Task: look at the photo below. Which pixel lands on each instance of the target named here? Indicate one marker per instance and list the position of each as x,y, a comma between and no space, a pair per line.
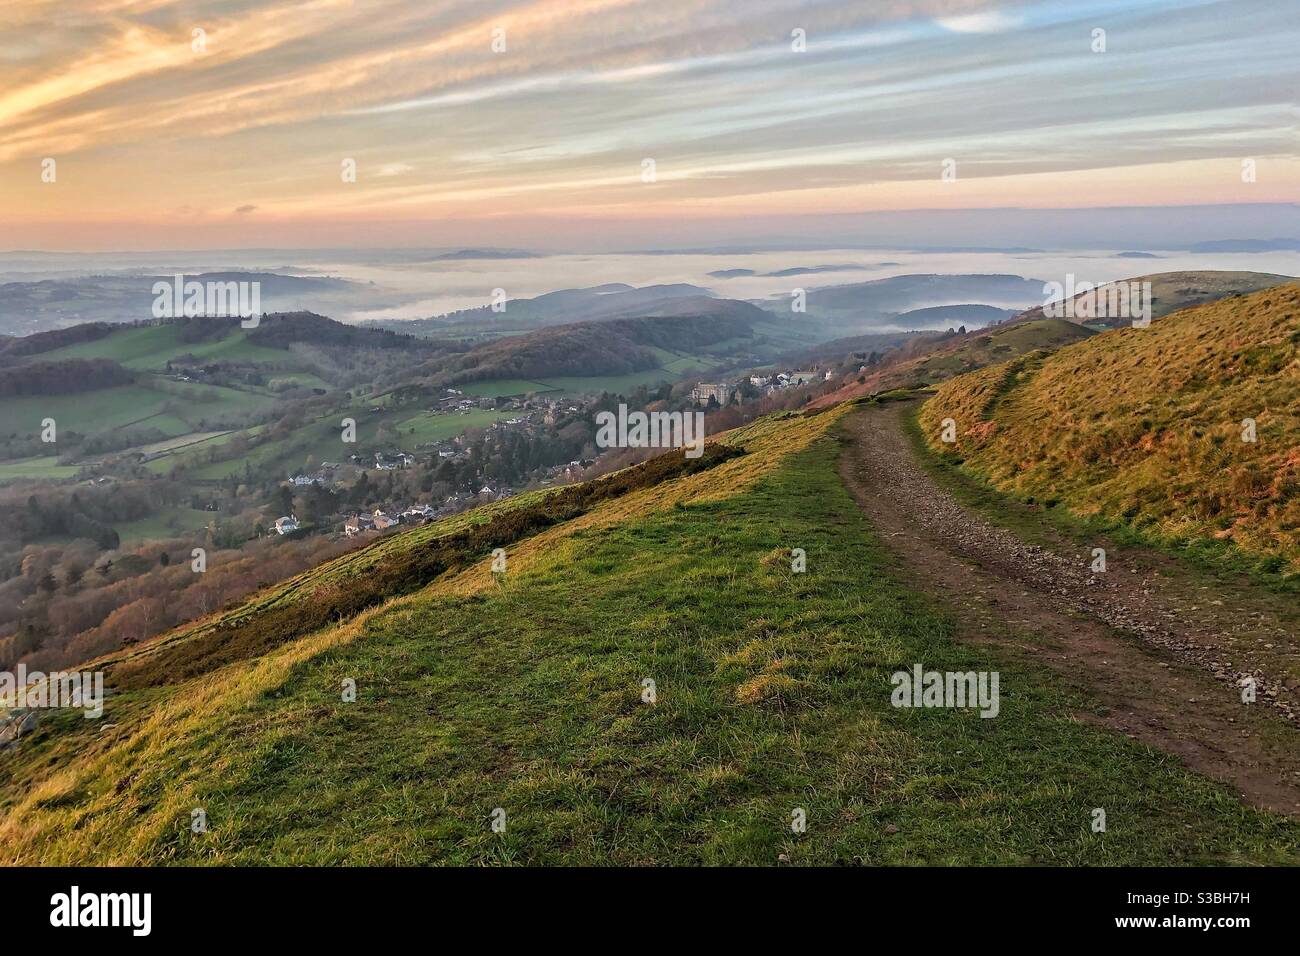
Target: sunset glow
229,120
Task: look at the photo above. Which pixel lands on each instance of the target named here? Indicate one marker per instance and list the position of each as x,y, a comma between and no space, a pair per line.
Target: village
532,414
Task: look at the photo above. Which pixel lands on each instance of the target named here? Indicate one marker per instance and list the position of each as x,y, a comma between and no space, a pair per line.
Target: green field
430,427
149,348
167,523
36,468
108,408
172,445
172,407
619,384
503,387
183,453
525,693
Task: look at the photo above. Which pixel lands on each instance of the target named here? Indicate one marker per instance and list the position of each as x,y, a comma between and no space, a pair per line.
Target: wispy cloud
498,108
986,21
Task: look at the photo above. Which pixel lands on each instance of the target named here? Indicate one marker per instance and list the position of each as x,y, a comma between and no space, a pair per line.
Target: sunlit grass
524,692
1146,426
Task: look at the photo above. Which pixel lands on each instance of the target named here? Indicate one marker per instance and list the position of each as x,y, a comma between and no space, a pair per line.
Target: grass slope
37,468
673,365
524,693
1175,291
149,348
942,360
1145,425
171,407
977,350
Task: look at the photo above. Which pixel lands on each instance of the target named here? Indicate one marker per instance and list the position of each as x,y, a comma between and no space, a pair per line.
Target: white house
286,524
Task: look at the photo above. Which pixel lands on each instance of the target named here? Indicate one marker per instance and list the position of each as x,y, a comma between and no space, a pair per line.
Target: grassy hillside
208,340
613,347
929,361
879,301
1145,425
1174,291
614,355
524,692
151,347
240,377
952,316
173,408
977,350
46,467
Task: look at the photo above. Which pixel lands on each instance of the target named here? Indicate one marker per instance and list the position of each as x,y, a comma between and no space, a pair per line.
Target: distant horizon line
1030,229
1293,241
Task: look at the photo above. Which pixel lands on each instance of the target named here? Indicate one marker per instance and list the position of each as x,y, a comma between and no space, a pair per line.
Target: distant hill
868,305
553,308
952,316
1171,291
1246,245
280,330
837,349
608,347
27,307
1145,425
813,270
929,360
153,343
16,348
694,305
484,254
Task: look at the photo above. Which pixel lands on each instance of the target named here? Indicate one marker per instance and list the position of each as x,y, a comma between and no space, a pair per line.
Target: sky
653,123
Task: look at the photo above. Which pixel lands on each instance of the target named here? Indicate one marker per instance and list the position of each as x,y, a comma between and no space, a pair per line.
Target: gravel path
1163,651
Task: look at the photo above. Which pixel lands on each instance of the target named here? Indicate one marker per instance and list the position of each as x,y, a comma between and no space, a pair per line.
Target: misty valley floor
772,694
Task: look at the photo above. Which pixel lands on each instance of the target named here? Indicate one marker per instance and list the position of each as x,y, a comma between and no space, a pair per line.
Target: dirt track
1142,638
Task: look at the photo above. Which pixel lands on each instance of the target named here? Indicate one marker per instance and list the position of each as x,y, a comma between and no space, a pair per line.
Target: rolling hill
562,307
926,361
1187,430
48,304
873,305
647,683
952,316
615,346
123,389
1172,291
154,345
